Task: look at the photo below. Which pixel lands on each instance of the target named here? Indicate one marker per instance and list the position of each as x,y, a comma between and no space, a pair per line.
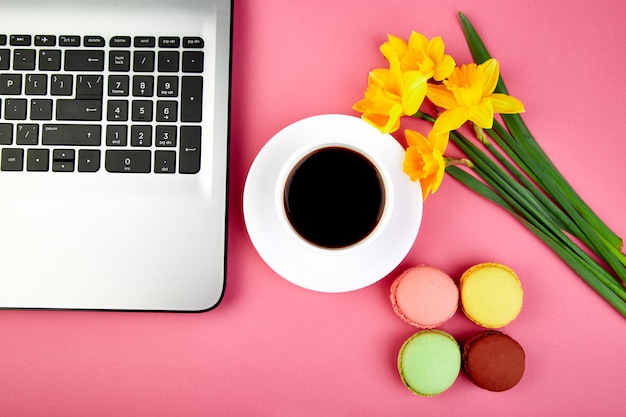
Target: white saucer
309,266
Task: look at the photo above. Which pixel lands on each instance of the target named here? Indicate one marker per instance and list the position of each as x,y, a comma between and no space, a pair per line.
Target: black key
71,135
3,39
131,161
10,84
36,84
88,160
27,134
143,86
15,109
165,136
45,40
93,41
168,61
143,61
38,160
117,110
169,42
88,110
144,41
63,160
193,61
49,60
41,109
84,60
193,42
191,99
141,136
69,40
120,42
167,86
119,61
116,135
189,154
12,159
24,59
118,85
62,85
165,162
142,111
6,133
89,87
5,59
166,111
20,40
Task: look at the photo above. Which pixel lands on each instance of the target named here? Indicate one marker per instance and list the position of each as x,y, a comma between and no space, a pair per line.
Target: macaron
424,296
493,361
491,295
429,362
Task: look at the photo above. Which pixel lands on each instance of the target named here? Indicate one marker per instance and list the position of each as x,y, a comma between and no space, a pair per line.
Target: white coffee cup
311,265
372,227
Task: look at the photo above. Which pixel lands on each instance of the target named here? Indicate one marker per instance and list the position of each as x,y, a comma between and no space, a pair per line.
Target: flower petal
418,42
413,163
441,96
385,122
438,177
393,46
436,49
503,103
396,78
482,114
468,96
439,140
444,68
414,92
414,138
451,119
491,72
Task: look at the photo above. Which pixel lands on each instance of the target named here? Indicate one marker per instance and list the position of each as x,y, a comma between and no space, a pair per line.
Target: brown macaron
493,361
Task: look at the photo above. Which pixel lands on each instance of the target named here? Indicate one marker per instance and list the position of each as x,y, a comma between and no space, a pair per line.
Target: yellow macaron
491,295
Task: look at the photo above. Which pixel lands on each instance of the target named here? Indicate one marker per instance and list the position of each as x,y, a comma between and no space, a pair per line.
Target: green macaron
429,362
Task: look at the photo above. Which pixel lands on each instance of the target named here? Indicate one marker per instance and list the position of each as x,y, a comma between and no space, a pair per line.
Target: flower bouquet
503,163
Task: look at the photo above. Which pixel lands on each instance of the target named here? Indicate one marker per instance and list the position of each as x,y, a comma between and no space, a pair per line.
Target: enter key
189,154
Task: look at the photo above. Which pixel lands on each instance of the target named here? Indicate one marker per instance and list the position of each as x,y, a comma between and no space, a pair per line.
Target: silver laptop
113,154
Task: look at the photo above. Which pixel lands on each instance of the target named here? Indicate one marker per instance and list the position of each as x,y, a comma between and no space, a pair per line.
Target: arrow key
63,160
88,160
38,160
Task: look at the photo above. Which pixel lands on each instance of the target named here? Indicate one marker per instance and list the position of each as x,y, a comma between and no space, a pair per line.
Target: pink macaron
424,296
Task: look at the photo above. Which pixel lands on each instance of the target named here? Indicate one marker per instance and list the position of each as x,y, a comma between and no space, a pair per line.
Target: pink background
274,349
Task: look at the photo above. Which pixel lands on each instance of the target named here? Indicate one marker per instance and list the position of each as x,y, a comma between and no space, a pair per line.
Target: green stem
556,185
531,149
519,198
587,269
600,246
531,210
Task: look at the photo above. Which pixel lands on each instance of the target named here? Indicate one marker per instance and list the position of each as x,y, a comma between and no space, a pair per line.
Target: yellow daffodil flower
467,94
424,160
390,95
420,54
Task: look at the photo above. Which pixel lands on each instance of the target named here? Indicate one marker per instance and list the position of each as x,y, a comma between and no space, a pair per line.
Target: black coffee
334,197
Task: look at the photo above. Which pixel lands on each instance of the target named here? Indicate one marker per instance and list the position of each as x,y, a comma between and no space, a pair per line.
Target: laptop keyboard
89,104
